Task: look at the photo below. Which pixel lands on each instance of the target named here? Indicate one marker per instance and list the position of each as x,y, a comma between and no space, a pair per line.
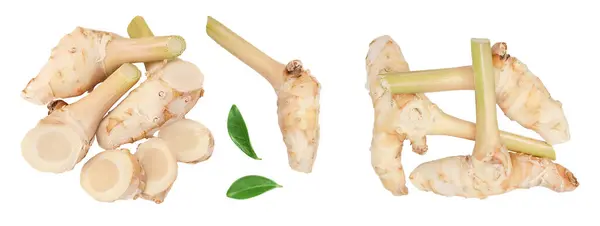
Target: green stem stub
486,122
138,28
238,132
250,186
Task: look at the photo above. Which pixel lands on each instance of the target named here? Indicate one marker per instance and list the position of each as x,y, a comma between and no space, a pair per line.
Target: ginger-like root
520,94
190,141
62,139
113,175
297,95
85,57
491,169
412,116
160,168
171,90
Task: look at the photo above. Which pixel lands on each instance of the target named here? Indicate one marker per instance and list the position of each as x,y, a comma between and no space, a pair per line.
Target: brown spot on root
176,94
167,115
112,123
142,135
420,149
129,112
294,68
56,105
443,177
82,31
398,155
157,200
498,61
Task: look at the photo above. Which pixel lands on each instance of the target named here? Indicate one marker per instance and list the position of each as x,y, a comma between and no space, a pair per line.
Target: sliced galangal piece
113,175
160,167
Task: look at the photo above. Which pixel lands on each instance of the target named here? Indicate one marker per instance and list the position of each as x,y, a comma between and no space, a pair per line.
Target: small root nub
572,178
294,68
56,105
500,49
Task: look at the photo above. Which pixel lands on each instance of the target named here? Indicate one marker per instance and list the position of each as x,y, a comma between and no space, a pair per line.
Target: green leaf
250,186
238,132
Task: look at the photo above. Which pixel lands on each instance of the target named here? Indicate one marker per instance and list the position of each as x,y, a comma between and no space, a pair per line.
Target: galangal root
297,95
85,57
172,88
412,116
62,139
520,94
491,169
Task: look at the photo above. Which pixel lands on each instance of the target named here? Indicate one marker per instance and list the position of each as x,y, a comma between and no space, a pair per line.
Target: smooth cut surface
154,164
107,175
53,146
159,164
189,140
183,76
104,175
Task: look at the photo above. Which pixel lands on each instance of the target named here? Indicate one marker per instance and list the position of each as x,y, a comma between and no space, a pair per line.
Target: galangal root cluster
402,111
101,64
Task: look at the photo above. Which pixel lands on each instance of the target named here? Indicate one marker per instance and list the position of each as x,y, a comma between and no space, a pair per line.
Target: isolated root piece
113,175
172,88
62,139
491,169
189,140
85,57
297,95
160,168
520,94
412,116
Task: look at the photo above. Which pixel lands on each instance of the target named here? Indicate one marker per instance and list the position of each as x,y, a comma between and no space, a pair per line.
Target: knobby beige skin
171,89
86,57
520,94
490,169
297,95
412,116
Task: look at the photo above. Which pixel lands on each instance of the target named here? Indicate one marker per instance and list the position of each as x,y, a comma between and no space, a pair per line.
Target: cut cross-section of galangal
113,175
62,139
189,140
160,167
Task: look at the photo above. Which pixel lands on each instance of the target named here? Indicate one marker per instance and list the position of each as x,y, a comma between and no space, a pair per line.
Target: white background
557,41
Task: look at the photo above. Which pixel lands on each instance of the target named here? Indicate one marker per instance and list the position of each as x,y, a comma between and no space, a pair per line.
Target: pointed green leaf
238,132
250,186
